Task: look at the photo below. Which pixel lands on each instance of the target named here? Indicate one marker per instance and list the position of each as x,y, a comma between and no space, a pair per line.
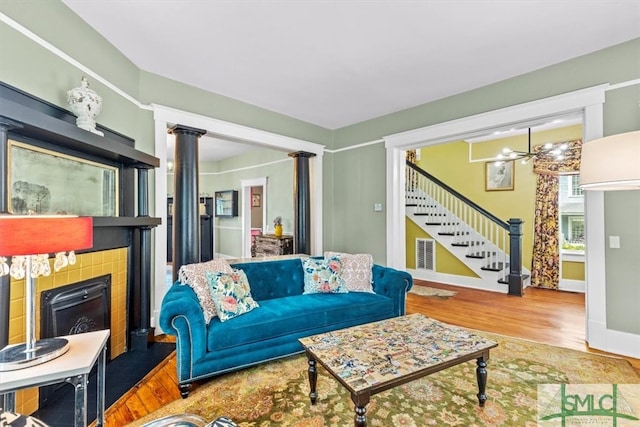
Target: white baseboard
572,285
455,280
612,341
225,256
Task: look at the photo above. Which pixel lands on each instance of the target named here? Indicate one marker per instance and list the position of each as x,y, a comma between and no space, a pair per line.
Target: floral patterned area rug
276,393
427,291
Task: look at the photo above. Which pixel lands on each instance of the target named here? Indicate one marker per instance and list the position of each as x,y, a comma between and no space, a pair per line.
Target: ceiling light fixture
549,150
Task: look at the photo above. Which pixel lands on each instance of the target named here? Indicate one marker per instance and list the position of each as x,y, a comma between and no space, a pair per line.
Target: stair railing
498,243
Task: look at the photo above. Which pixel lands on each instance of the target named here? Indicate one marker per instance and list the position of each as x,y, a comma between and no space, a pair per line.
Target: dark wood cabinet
270,244
206,228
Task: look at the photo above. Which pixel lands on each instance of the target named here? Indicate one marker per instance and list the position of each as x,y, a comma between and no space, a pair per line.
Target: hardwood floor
542,315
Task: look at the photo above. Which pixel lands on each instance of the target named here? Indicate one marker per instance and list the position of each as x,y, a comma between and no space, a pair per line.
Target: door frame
165,117
246,185
590,102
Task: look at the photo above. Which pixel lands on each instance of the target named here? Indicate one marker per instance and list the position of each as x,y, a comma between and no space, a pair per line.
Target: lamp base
17,357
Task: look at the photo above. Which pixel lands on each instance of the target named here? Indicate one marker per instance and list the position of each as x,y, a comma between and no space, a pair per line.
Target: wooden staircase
474,236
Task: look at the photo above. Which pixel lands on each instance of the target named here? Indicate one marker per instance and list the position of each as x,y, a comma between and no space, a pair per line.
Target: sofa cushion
231,294
194,276
323,276
274,279
356,270
301,314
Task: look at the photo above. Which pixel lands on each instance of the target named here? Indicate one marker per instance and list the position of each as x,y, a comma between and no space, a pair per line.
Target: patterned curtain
412,156
545,268
412,176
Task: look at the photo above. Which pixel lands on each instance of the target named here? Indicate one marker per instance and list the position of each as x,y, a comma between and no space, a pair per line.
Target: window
571,207
574,185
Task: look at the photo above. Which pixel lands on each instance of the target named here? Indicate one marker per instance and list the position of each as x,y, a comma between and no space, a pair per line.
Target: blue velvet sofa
271,331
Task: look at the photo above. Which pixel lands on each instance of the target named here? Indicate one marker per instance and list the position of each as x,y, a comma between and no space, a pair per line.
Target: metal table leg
102,359
8,402
80,406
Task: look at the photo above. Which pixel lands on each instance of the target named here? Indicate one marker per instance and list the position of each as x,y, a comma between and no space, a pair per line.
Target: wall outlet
377,207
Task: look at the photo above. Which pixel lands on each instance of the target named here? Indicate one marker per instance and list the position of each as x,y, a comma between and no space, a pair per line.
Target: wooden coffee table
375,357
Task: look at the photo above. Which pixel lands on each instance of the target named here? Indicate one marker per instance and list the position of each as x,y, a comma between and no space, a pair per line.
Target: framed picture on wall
255,200
499,176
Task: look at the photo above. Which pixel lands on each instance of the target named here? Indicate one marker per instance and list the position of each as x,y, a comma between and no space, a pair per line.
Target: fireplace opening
74,309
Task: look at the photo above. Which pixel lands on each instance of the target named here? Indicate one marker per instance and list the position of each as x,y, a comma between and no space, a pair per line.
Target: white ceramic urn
86,104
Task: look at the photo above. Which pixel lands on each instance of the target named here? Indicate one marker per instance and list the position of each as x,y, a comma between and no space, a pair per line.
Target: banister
514,279
465,199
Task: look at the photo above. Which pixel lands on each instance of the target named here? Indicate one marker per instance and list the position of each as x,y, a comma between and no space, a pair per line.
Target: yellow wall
88,265
450,163
446,262
573,270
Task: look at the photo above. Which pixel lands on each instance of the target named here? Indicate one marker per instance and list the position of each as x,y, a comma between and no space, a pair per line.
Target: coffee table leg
360,419
313,379
481,374
361,402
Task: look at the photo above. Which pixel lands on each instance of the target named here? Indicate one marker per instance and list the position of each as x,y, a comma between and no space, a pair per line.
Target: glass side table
72,367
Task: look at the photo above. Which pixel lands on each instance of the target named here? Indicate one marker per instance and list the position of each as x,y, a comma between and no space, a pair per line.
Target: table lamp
29,240
611,163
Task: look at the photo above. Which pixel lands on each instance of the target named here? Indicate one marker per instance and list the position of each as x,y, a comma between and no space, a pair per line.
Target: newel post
516,286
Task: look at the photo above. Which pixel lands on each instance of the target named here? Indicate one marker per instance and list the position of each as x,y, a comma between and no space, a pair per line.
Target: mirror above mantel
41,127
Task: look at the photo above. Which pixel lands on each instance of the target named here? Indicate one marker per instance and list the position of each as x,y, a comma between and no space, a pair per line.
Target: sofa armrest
182,316
392,283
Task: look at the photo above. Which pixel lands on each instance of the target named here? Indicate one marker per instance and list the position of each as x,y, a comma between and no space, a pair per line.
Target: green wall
353,179
279,193
276,166
623,264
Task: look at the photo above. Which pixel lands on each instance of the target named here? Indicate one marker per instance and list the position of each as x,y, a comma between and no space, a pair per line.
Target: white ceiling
212,149
335,63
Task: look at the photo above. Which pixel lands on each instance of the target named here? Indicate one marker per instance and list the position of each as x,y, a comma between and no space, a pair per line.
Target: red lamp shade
31,235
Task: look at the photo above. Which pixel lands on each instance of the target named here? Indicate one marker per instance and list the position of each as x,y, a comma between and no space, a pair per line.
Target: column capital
301,154
187,130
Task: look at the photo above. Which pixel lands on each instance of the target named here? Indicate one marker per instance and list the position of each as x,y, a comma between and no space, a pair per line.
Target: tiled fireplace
122,223
89,265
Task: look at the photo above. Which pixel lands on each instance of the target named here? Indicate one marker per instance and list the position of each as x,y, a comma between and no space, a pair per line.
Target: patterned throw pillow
222,422
231,294
323,276
356,270
194,276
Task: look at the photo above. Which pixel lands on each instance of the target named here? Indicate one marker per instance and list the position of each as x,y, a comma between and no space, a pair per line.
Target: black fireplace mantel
29,119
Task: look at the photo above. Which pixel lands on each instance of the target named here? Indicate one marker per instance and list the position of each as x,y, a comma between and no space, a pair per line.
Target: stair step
466,244
505,279
411,205
433,223
496,266
428,214
480,255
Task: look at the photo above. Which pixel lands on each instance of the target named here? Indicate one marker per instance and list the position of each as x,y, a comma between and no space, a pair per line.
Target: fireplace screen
73,309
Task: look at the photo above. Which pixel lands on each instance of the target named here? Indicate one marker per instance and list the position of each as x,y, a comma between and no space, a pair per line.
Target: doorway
254,218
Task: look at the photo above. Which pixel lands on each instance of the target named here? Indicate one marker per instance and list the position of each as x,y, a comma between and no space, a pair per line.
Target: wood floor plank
148,397
160,392
541,315
136,406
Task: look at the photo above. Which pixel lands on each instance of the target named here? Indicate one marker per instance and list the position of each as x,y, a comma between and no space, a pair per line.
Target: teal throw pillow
322,276
231,294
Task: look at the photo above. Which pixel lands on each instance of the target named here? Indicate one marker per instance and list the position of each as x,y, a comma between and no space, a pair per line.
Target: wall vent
425,254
